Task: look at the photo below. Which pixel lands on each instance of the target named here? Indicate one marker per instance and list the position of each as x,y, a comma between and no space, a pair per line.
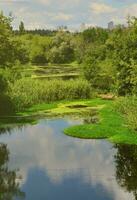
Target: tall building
111,25
83,27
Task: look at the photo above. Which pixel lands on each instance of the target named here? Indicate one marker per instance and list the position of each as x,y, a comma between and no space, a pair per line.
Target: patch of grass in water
111,126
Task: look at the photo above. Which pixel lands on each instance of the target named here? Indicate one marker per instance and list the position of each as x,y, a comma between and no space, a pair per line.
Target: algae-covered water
39,162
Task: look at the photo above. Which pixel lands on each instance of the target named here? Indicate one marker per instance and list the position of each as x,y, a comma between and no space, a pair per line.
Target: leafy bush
27,92
128,107
39,58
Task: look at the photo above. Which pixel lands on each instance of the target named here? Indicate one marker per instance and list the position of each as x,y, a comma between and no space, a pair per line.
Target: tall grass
128,107
27,92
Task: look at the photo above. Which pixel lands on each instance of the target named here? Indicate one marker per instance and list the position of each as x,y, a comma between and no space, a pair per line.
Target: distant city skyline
49,14
111,25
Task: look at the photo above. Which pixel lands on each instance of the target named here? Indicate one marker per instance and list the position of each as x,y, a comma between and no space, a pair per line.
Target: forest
40,68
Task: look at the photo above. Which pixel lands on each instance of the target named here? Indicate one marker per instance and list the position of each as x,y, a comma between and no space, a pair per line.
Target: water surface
49,165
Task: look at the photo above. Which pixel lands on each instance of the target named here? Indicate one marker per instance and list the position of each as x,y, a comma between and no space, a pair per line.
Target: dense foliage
49,49
111,63
11,49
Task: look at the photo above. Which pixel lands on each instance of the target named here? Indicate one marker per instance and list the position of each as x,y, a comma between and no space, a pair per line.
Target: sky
49,14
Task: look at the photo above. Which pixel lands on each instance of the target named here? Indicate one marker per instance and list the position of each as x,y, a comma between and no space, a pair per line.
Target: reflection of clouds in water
74,120
44,147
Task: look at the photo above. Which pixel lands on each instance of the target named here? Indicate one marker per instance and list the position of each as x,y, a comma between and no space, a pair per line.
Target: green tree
97,69
62,50
6,43
92,35
21,28
121,49
11,49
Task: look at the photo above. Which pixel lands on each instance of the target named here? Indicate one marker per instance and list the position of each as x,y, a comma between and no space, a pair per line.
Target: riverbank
101,120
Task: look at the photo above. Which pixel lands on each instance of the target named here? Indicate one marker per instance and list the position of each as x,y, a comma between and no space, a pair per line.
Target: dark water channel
38,162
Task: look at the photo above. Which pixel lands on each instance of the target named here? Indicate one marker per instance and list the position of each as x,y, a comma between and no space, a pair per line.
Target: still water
38,162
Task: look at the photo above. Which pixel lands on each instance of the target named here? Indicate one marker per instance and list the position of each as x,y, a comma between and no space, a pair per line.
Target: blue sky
53,13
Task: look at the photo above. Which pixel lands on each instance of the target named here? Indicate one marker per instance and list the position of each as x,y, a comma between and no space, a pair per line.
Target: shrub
128,107
6,106
38,57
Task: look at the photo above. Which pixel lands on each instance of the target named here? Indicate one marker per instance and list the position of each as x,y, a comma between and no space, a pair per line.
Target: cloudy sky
53,13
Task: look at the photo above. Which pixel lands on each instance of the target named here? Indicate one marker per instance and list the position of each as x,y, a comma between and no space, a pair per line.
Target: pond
60,71
39,162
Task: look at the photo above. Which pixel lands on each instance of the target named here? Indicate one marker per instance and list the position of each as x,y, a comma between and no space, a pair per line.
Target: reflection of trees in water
4,130
9,123
9,188
126,168
8,130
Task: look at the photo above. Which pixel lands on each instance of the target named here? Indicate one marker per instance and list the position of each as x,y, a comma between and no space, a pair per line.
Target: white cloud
130,10
103,13
101,8
121,14
62,16
45,2
52,13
